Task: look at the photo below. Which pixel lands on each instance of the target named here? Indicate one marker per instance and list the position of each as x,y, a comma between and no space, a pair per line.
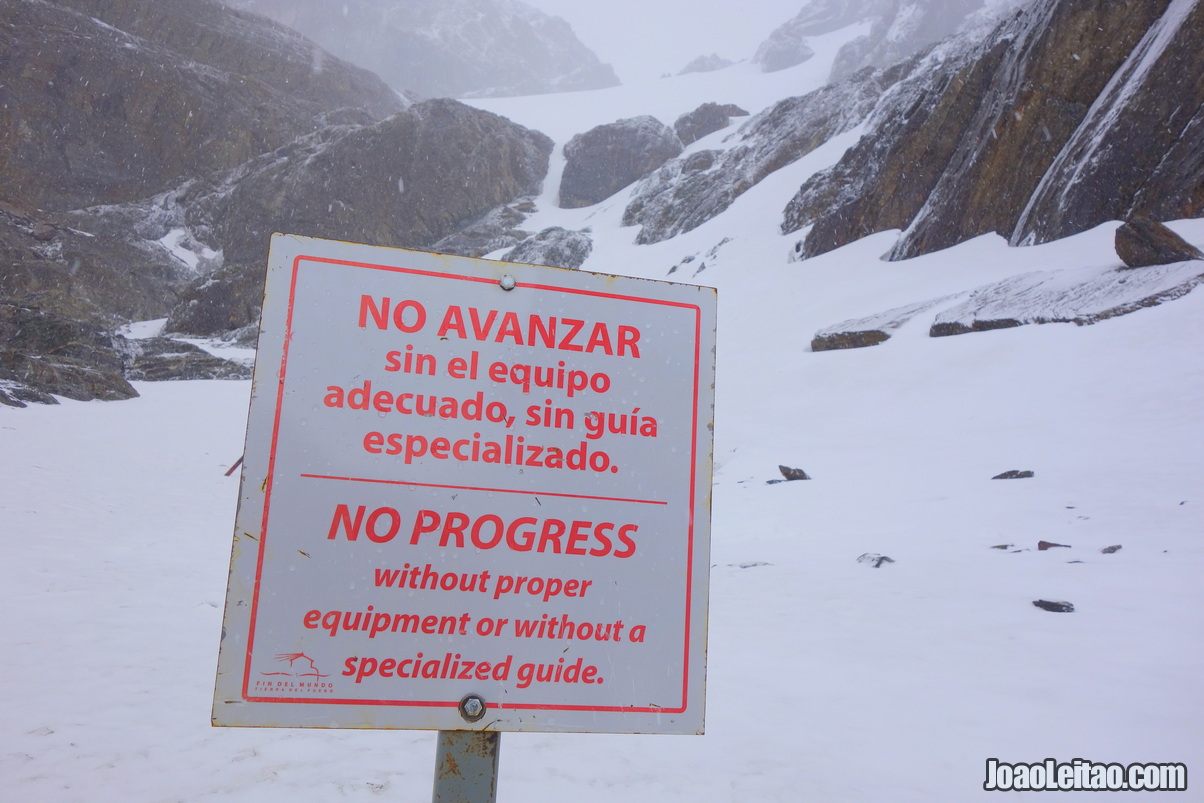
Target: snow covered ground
828,679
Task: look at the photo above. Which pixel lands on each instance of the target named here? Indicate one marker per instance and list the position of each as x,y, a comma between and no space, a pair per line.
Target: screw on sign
475,495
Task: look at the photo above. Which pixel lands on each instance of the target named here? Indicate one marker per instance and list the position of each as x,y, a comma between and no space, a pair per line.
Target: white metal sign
467,477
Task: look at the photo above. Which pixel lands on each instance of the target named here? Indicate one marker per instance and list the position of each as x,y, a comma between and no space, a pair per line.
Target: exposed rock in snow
790,473
1142,243
706,64
449,48
554,246
1137,150
45,353
1014,474
872,330
874,560
497,228
958,148
1079,297
1082,297
457,163
689,191
1054,606
160,358
608,157
107,101
706,119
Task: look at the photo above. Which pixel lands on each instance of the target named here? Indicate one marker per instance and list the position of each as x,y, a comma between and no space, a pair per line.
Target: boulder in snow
1014,474
556,247
1044,545
1143,243
608,157
1054,606
706,119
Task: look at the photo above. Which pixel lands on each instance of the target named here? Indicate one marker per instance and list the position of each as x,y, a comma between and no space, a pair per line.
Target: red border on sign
271,473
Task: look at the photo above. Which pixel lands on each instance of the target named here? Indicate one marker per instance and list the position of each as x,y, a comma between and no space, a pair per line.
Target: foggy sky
646,38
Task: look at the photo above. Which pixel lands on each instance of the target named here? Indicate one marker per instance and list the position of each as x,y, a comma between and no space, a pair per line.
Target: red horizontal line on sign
492,490
622,709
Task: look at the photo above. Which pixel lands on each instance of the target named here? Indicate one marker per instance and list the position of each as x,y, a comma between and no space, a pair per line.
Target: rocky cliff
148,150
967,140
107,101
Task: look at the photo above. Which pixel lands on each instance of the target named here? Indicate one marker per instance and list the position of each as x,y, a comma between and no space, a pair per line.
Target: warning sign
468,477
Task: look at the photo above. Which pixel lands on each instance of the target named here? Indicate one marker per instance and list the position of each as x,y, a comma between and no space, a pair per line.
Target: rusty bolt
472,707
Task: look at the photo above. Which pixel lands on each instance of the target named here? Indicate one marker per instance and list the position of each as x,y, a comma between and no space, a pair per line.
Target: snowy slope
827,679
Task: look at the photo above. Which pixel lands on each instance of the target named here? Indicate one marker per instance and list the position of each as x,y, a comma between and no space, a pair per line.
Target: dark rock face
1138,152
687,192
958,150
497,228
226,302
448,48
160,359
607,158
790,473
849,340
43,353
407,181
874,560
108,101
706,119
1142,243
556,247
221,127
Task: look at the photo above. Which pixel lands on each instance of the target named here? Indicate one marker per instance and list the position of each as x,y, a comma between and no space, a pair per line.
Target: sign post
466,482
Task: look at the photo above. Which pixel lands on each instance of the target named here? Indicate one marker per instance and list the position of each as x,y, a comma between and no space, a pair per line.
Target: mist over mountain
946,263
448,48
150,149
896,30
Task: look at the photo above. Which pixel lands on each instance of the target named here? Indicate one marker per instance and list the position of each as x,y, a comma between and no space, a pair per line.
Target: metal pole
466,767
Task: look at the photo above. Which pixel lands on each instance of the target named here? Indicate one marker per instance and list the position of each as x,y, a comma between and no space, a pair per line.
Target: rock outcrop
43,353
609,157
496,229
407,181
448,48
691,190
706,119
960,147
107,101
204,130
1137,151
555,246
